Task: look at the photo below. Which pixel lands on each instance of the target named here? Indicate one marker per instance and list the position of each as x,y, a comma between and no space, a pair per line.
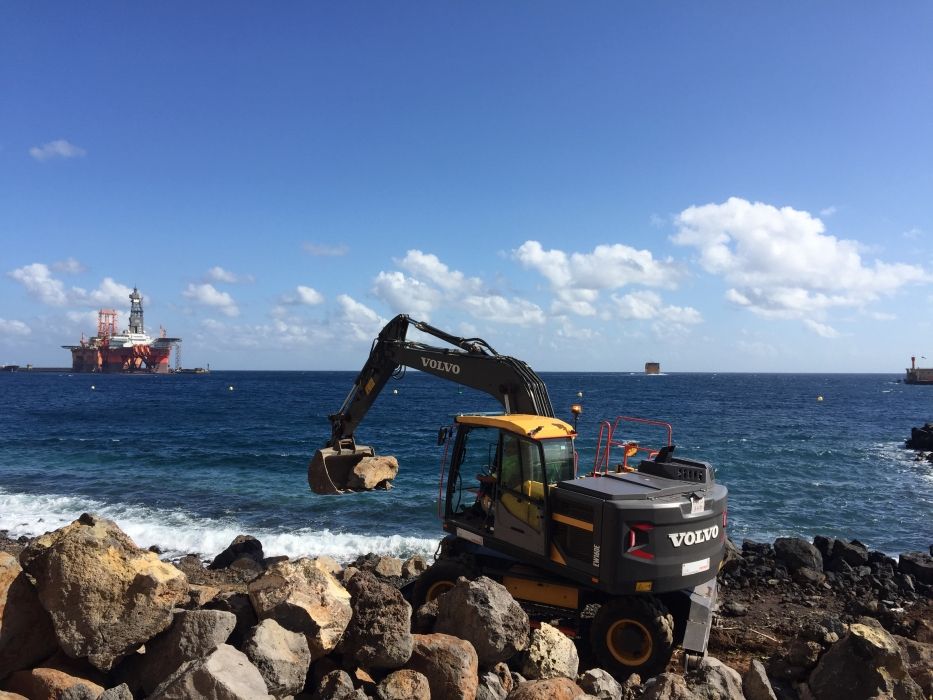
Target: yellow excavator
624,555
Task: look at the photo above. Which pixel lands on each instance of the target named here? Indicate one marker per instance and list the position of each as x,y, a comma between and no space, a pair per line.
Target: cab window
558,455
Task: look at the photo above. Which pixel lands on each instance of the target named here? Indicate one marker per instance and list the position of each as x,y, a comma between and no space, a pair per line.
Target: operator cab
501,471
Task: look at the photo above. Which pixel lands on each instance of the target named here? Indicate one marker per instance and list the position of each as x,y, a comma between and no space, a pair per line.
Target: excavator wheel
436,581
633,634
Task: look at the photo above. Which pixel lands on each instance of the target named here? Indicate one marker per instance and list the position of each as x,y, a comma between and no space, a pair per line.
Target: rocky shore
85,614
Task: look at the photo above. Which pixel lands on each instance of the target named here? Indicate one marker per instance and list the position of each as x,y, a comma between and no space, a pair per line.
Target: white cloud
208,295
308,295
110,293
494,307
39,283
828,211
219,274
821,329
646,305
56,149
13,327
406,294
576,279
428,267
359,318
70,266
304,296
913,234
780,263
325,251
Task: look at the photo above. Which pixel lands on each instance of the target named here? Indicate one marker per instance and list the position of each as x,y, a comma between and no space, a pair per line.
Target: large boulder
853,553
282,657
551,654
193,635
865,663
242,546
226,674
105,595
372,473
240,605
303,598
485,614
797,553
668,686
379,633
755,683
26,632
50,684
918,658
449,664
404,685
600,684
917,564
549,689
713,680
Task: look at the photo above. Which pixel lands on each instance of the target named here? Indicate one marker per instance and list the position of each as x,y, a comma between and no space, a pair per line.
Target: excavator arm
470,362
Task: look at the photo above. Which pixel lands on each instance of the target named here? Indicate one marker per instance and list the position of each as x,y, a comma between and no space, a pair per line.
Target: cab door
520,494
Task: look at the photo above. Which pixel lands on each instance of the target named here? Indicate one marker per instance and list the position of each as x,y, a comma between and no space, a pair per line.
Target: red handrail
602,453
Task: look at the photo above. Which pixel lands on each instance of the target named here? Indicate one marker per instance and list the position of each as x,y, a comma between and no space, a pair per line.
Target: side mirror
442,435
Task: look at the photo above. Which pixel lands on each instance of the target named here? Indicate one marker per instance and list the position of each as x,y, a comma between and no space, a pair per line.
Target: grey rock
734,608
239,605
282,657
484,613
336,685
600,684
226,674
193,635
917,564
490,687
119,692
404,685
865,663
302,598
755,683
242,546
852,553
825,546
379,633
105,595
667,686
414,566
713,680
795,553
803,653
551,654
26,632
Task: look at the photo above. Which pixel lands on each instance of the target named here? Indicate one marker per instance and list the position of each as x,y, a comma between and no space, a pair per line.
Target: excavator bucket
330,468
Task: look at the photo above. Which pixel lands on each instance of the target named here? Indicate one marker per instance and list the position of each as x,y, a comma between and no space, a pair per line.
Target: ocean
188,462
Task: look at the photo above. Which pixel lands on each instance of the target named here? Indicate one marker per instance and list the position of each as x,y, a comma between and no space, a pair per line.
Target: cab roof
537,427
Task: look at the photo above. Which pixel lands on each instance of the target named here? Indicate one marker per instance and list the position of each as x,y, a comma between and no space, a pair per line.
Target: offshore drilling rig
130,350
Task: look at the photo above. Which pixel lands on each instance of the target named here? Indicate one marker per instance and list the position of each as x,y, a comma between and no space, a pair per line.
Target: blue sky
714,186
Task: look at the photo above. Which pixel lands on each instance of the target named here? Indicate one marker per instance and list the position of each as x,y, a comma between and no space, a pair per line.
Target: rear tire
440,578
633,634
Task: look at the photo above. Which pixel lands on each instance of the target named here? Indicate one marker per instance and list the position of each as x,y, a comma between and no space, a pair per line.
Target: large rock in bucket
105,596
333,471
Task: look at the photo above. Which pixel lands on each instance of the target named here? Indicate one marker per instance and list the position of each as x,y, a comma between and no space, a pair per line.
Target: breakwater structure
918,375
130,350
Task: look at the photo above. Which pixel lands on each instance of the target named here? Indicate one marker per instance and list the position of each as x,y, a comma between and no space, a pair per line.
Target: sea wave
177,532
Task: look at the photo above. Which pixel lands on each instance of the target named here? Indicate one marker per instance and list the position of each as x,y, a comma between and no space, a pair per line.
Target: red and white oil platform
130,350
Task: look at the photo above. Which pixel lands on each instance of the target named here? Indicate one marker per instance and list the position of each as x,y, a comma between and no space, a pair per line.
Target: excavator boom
471,362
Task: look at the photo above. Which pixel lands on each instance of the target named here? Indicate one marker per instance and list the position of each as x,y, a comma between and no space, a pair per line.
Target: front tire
633,634
440,578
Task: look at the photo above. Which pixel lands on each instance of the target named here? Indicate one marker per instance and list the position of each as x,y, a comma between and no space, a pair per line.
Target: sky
715,186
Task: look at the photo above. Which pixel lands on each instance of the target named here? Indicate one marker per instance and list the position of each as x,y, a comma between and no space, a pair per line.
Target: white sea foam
178,533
